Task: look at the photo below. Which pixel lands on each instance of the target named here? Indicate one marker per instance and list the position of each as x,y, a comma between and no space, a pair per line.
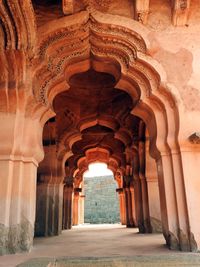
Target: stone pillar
49,209
49,194
129,215
168,201
138,205
142,170
76,206
153,192
17,204
154,205
122,205
145,206
67,207
187,186
132,190
191,162
20,152
81,209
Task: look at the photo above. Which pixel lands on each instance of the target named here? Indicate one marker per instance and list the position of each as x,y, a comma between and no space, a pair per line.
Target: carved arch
98,41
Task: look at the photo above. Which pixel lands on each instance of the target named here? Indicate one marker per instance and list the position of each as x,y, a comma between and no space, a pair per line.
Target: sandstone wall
101,200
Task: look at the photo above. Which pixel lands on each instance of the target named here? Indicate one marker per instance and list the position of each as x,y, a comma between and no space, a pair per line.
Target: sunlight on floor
99,226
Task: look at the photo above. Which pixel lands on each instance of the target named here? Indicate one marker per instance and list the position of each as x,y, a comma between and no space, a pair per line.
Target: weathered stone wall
101,200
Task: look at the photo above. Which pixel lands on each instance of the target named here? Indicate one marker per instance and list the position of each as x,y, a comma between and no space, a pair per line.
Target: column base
183,244
16,238
193,243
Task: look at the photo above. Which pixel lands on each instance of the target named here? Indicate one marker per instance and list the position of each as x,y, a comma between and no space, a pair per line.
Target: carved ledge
195,138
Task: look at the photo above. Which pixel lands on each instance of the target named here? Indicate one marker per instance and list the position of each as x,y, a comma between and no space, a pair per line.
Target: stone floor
111,245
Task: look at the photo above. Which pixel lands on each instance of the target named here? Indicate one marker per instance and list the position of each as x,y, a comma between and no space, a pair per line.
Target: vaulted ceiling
92,116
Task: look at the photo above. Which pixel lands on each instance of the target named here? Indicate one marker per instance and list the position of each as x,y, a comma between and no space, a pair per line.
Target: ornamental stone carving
102,5
78,42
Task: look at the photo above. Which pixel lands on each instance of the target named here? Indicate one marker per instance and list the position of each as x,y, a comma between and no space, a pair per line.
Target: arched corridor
97,81
93,123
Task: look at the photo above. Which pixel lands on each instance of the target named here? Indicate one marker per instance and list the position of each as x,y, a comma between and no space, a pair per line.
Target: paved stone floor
111,245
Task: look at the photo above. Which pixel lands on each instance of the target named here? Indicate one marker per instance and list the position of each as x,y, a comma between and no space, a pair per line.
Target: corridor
113,241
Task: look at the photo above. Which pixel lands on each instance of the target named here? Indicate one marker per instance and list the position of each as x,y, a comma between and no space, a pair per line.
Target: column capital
21,138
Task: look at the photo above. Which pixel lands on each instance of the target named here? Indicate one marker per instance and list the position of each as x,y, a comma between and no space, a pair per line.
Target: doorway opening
101,201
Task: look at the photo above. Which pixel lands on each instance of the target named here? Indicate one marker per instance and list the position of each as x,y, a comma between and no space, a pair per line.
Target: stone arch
81,164
136,76
97,41
93,155
68,139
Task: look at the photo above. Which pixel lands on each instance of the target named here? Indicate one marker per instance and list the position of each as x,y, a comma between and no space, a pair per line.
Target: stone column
76,206
153,192
168,201
67,207
81,209
145,203
138,205
178,174
49,194
20,152
49,209
191,162
145,206
17,204
154,205
132,190
122,205
129,216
